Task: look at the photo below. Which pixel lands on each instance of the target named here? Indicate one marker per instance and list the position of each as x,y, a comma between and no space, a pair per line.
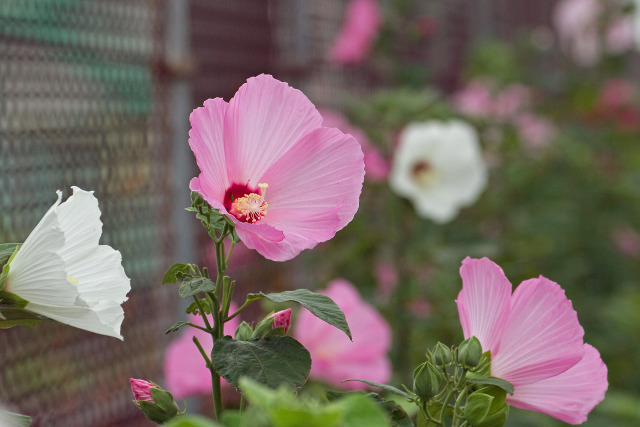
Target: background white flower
439,167
65,274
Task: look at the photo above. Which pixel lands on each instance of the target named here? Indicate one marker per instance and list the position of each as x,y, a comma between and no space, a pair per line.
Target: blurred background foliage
567,207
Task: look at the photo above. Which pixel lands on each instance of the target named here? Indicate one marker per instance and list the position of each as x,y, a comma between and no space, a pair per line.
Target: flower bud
244,332
156,403
441,355
282,319
427,381
470,352
263,328
141,389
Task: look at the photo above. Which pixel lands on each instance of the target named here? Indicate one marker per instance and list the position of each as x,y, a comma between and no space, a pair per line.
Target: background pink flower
336,358
375,165
535,131
535,341
184,368
359,31
266,162
474,99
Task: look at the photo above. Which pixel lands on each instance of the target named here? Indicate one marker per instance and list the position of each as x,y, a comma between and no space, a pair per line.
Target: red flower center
245,203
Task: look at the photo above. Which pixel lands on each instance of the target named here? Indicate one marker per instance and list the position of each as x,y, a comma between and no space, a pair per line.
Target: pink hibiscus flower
184,368
270,136
535,340
334,357
375,165
361,25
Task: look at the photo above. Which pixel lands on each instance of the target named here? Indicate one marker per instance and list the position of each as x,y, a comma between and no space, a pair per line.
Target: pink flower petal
542,336
361,24
483,303
569,396
206,140
325,169
264,119
336,358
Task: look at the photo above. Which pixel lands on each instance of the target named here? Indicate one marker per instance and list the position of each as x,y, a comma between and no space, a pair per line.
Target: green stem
222,299
456,408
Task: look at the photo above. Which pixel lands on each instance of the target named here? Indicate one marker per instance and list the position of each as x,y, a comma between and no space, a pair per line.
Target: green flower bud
244,332
469,353
427,381
441,355
263,328
156,403
487,407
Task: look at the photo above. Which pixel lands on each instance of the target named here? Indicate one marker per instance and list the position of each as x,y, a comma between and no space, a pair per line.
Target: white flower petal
99,276
37,272
104,319
79,218
63,272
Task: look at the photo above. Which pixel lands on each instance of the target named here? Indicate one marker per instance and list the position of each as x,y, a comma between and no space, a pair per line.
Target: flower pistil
251,207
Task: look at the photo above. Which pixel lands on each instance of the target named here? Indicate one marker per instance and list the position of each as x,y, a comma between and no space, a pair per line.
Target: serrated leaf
385,387
321,306
176,273
272,361
176,326
195,286
504,385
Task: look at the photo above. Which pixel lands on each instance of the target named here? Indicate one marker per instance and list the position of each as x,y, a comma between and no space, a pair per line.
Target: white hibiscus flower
439,167
64,273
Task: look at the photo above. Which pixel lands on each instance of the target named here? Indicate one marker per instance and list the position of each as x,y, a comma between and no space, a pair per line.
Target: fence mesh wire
82,103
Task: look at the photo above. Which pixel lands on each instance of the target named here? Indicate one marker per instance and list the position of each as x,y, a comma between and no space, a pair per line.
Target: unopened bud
263,328
282,319
427,381
470,352
244,332
441,355
156,403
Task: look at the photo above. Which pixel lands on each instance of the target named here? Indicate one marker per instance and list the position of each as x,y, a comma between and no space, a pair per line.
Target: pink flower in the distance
474,100
282,319
266,162
359,31
141,389
184,367
375,165
535,131
535,339
334,357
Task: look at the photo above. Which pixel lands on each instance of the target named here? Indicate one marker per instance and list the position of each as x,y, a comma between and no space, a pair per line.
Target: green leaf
12,316
397,414
193,307
6,250
176,273
321,306
271,361
389,388
13,419
195,286
504,385
12,299
191,421
176,326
